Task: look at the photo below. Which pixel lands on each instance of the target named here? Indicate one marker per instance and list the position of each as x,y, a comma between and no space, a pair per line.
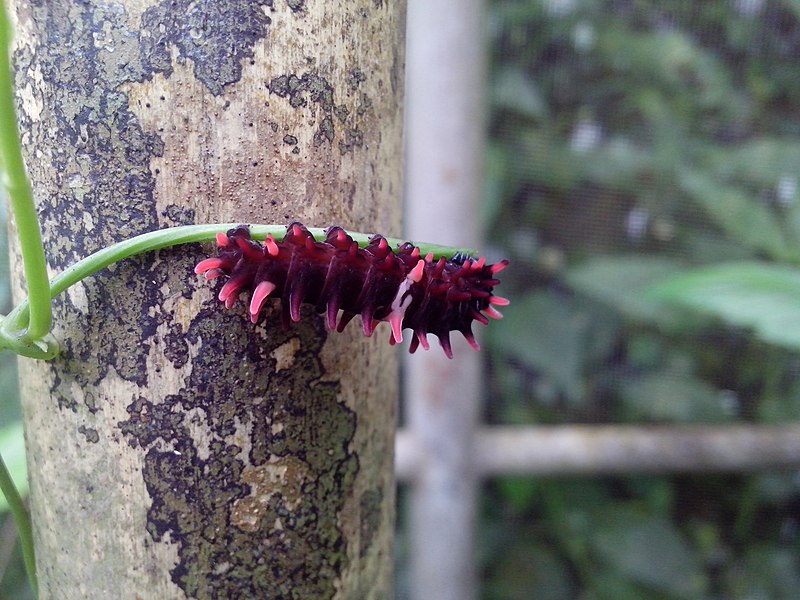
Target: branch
618,449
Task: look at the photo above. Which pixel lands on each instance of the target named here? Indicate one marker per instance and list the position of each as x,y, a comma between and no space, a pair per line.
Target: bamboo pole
445,131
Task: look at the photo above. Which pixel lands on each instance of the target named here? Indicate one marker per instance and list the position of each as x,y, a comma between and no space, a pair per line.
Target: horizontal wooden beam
618,449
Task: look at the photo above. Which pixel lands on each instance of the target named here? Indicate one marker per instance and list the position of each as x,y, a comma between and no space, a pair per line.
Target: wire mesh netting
643,179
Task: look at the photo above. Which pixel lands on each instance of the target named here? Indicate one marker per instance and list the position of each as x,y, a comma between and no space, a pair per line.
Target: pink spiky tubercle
342,280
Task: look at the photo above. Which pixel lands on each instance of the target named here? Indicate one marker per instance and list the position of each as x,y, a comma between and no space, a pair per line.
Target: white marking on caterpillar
402,300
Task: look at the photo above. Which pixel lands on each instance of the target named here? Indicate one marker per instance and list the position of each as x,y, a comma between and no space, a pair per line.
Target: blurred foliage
643,178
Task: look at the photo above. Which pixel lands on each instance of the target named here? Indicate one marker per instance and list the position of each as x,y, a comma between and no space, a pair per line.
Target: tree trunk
176,450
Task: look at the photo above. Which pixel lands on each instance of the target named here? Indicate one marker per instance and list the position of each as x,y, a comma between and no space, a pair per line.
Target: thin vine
20,195
21,517
18,187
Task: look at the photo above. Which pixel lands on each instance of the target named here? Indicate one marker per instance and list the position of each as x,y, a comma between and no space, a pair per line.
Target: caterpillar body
401,287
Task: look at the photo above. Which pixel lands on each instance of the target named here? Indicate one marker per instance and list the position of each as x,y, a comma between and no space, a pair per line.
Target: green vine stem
23,521
21,198
45,348
15,180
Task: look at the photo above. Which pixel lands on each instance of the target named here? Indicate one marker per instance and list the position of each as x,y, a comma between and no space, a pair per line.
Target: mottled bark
175,450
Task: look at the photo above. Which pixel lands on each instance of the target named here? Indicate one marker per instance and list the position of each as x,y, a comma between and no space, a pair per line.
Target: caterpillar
402,287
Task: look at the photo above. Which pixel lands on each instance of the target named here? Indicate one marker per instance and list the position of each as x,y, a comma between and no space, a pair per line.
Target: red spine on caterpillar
400,287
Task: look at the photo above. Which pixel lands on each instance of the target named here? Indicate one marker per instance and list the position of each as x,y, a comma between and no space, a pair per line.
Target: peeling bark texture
175,450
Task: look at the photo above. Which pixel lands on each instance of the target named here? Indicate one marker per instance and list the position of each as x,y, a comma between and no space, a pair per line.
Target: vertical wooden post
175,450
444,158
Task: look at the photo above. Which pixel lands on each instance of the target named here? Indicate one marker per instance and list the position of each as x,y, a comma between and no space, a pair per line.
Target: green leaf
554,337
548,336
765,572
529,570
777,487
621,281
794,6
496,184
762,161
648,550
12,448
518,492
613,585
780,406
543,157
672,397
740,216
708,247
516,91
761,296
619,164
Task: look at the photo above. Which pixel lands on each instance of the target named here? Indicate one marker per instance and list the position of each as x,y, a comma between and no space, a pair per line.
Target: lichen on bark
311,90
240,529
216,36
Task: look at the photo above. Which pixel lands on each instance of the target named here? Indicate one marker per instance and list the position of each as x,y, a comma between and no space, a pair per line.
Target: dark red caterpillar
402,287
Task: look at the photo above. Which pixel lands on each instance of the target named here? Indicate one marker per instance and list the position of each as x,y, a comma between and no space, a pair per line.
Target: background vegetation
644,166
632,143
